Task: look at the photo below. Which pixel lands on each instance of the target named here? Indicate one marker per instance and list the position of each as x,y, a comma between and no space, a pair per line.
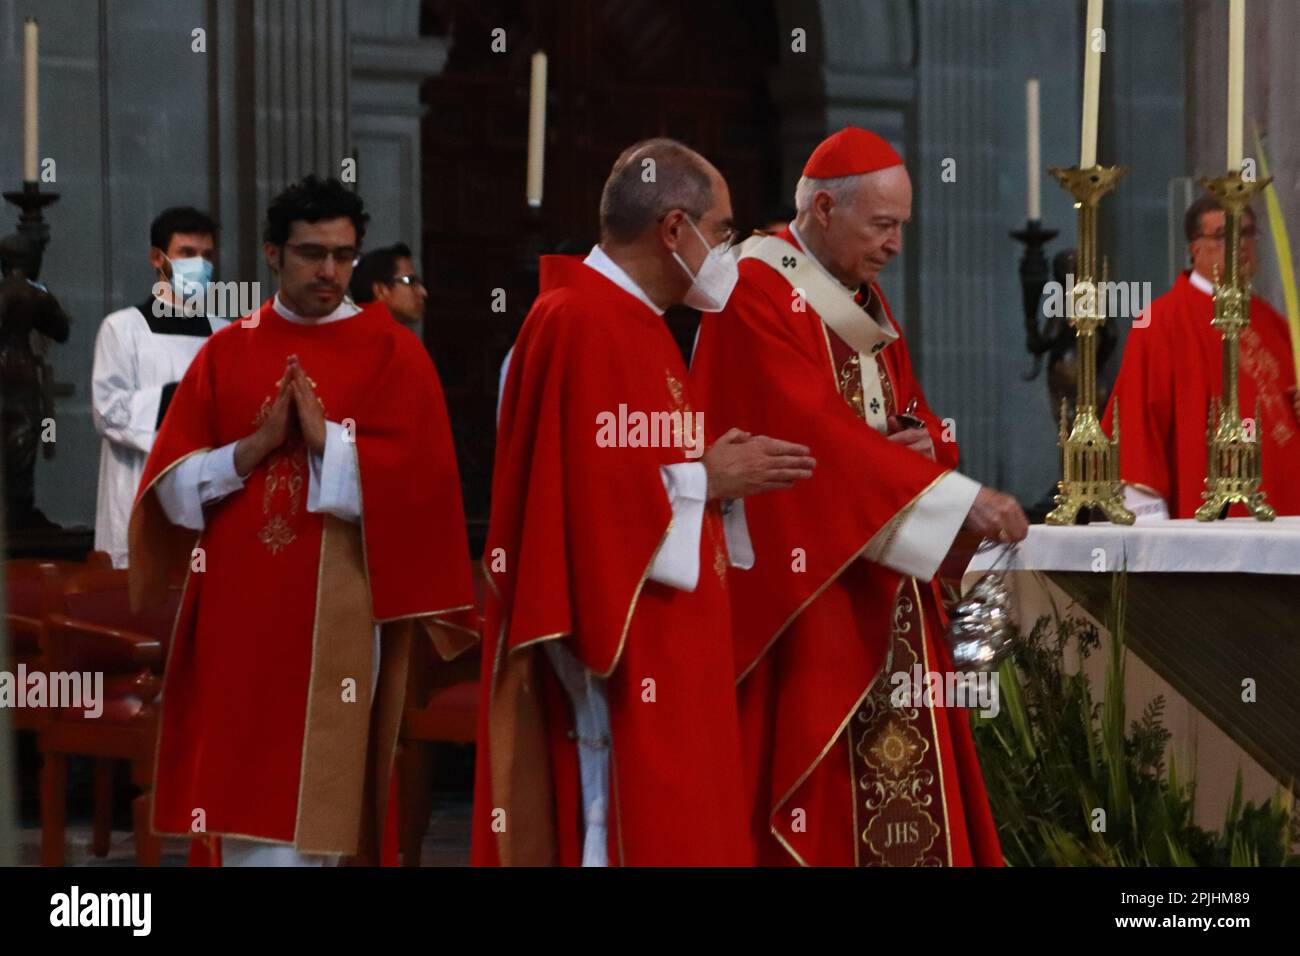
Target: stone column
281,110
390,62
960,232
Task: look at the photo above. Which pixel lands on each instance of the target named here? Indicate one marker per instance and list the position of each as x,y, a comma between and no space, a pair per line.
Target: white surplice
139,357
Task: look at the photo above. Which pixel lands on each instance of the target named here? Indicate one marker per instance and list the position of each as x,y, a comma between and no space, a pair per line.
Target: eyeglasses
412,280
730,235
311,252
1247,232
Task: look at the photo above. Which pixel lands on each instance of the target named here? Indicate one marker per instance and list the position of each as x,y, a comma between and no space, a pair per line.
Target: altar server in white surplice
141,353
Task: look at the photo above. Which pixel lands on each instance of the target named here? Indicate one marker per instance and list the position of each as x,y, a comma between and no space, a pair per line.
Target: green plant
1071,785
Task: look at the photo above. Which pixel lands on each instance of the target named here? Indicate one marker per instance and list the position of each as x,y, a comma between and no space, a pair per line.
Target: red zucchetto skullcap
849,152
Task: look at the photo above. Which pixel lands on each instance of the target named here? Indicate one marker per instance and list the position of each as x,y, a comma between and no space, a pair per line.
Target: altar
1213,621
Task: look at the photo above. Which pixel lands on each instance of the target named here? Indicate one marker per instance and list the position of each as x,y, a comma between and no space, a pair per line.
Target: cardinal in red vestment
1173,369
305,477
608,732
840,598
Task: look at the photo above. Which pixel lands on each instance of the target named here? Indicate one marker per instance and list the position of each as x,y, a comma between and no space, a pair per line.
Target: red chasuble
575,527
268,730
836,775
1172,369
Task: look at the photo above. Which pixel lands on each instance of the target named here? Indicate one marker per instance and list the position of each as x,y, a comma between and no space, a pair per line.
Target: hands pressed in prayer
311,413
997,517
274,430
917,439
740,464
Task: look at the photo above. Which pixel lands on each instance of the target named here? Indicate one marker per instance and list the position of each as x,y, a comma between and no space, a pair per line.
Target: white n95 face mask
711,287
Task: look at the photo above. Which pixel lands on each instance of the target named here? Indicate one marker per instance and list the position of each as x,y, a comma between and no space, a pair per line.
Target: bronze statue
29,317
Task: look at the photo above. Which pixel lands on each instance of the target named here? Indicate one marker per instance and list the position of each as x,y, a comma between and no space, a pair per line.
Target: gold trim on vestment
414,615
162,700
520,671
149,569
884,667
152,558
861,552
336,742
848,743
636,596
934,727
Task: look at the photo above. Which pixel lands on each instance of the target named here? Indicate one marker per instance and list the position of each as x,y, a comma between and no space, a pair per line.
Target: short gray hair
841,188
630,203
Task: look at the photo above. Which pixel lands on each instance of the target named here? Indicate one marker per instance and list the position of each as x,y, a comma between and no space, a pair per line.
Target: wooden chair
442,707
34,588
33,592
97,632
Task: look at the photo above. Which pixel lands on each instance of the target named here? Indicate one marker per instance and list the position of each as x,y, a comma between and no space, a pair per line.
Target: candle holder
1034,272
1233,462
31,221
1089,458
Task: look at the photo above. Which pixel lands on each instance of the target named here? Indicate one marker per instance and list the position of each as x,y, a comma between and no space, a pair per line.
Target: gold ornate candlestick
1233,472
1089,459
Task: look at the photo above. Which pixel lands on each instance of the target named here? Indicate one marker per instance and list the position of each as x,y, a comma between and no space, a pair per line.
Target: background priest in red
608,730
1173,367
309,447
840,596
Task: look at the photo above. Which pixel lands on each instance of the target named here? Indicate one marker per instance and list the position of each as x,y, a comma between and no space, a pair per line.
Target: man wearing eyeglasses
608,731
388,275
1173,367
309,448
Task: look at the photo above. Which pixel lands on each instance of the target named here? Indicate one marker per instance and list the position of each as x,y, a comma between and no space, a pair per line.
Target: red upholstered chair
97,632
33,592
442,707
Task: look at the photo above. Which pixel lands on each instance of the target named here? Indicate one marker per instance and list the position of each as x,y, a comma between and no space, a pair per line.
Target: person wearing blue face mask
141,353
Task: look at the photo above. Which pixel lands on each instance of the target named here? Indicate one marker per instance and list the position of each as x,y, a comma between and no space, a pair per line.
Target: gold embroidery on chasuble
899,814
887,386
1262,367
286,481
898,805
683,425
849,377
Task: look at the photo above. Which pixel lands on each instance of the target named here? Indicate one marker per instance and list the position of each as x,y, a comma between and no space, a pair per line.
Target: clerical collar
346,309
612,271
1200,282
830,275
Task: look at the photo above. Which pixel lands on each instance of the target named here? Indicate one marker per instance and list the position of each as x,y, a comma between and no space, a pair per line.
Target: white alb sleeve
1144,504
678,562
197,481
334,484
925,531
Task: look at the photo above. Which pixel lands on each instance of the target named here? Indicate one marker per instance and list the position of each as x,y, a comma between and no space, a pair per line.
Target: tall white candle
1236,79
1033,162
1091,86
30,163
536,129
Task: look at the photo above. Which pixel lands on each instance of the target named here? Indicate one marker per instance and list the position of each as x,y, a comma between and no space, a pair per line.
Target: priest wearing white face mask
611,702
141,353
